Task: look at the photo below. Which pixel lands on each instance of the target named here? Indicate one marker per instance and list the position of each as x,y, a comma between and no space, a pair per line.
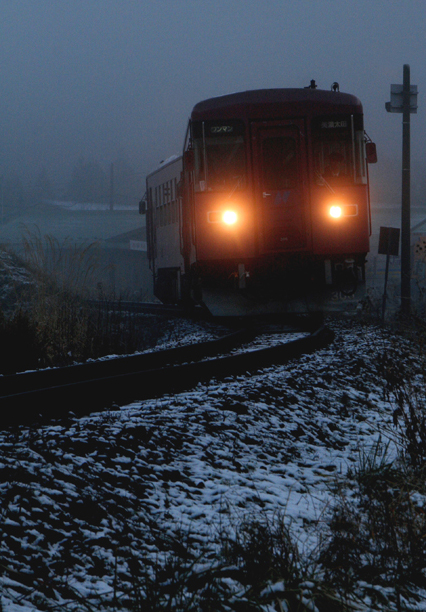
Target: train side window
155,214
279,160
360,171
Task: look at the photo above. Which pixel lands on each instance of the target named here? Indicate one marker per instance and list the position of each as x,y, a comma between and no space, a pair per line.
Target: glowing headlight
229,217
335,211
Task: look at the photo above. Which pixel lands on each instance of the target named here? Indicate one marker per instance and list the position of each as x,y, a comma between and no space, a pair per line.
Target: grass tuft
52,321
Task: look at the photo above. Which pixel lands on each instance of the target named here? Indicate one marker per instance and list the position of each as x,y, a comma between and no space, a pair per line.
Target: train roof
167,163
264,103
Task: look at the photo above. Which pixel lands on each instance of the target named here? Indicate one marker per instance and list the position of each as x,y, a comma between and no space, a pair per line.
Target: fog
109,79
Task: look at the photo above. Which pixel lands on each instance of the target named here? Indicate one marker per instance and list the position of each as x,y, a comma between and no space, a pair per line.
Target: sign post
388,245
404,100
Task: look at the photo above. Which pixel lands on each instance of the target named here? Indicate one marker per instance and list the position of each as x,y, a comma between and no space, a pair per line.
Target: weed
19,336
410,420
403,371
53,323
378,535
264,551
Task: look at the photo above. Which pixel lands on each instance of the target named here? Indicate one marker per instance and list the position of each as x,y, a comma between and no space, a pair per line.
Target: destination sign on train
221,129
334,124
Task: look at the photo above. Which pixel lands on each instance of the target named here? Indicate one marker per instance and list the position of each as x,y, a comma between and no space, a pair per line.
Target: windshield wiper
323,181
238,180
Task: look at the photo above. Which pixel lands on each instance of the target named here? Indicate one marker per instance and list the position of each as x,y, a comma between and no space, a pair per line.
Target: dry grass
52,321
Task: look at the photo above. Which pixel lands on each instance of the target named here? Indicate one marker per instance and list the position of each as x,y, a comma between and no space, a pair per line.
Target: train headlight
226,217
335,211
229,217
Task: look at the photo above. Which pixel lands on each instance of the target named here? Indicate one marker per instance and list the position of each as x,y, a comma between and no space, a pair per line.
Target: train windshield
280,171
220,157
338,149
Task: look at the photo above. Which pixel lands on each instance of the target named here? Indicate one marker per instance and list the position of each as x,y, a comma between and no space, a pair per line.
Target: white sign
138,245
396,104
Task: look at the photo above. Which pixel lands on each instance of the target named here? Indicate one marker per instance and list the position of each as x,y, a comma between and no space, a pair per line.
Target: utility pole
2,199
111,187
406,197
404,100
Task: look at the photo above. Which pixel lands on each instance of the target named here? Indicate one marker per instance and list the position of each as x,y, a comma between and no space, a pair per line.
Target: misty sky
108,78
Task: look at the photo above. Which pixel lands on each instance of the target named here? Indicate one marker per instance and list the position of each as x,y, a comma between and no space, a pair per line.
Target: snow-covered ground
88,503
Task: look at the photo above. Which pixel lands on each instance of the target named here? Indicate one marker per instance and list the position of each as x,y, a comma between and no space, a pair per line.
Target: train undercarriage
273,284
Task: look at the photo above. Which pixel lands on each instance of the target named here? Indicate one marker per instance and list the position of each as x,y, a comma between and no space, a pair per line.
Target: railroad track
51,394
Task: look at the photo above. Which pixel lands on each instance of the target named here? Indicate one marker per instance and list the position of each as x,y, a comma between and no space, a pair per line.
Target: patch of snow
112,487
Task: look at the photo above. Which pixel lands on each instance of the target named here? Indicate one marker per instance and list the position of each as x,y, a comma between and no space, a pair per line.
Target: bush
257,569
51,321
377,542
20,342
403,371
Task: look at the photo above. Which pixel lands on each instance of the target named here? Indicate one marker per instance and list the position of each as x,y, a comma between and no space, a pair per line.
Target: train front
279,207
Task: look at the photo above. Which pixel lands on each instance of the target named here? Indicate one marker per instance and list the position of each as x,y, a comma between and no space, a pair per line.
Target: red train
268,206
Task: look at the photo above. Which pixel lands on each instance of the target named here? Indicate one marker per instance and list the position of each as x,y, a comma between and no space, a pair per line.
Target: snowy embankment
89,504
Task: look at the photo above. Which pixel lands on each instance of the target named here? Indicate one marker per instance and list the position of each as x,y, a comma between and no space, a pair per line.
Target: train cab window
220,156
279,163
338,147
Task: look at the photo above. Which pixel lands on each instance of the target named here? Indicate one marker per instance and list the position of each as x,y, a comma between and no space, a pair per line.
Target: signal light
229,217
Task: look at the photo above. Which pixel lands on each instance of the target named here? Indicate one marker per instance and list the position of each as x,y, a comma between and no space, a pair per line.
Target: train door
281,186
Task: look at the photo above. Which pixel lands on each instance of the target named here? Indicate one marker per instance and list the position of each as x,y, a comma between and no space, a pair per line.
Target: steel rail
38,379
153,376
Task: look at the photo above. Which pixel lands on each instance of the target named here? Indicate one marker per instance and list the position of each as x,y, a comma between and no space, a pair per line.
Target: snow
81,496
90,206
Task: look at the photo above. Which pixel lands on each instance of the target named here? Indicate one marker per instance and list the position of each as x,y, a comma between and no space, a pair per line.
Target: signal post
404,100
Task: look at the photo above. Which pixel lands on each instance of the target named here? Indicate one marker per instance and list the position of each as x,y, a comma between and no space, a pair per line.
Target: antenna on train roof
313,85
335,86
